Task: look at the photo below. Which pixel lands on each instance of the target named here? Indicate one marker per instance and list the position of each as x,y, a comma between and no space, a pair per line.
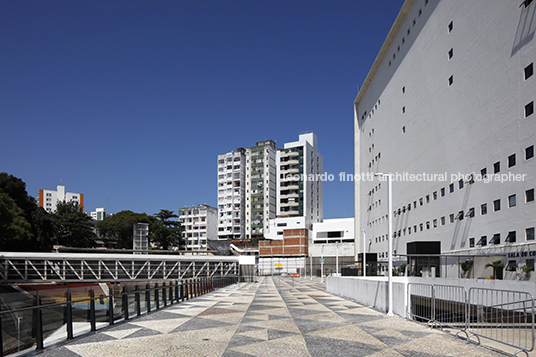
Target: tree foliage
24,226
166,233
73,227
495,265
119,227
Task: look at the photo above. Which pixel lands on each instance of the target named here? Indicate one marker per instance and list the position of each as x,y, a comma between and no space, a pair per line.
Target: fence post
124,297
69,316
156,296
38,324
138,301
111,308
148,298
164,293
92,320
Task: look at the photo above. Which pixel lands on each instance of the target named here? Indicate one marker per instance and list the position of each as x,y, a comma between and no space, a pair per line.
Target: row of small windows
511,237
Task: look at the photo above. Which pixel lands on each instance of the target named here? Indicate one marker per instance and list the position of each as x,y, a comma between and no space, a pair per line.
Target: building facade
48,199
98,215
448,110
231,194
299,187
200,225
260,187
140,237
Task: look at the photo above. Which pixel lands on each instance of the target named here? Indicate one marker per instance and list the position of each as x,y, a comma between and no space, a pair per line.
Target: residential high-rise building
448,110
98,215
48,199
299,186
231,194
200,225
260,187
140,236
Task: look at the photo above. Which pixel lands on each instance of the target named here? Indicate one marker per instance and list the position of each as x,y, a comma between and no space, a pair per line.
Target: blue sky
130,102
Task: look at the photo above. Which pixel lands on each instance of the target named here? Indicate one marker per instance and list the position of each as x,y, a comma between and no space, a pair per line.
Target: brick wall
295,242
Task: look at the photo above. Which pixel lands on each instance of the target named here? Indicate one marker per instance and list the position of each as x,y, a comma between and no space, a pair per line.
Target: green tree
19,211
15,231
73,227
495,265
118,228
166,232
466,267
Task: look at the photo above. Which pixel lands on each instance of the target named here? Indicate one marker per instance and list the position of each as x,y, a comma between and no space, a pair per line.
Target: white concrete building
231,194
448,109
299,186
140,236
260,187
48,199
98,215
200,225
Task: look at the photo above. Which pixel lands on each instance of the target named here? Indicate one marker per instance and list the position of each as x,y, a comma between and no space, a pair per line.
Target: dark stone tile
229,353
307,326
143,333
358,318
198,323
414,334
246,328
298,312
321,347
409,353
61,351
241,340
275,334
391,341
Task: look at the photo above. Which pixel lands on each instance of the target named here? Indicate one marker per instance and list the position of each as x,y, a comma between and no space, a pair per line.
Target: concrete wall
372,291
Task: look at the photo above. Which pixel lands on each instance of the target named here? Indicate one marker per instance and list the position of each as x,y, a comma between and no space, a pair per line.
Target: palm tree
497,264
466,267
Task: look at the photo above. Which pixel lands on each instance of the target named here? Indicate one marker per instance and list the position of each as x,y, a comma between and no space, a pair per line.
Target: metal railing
503,316
48,321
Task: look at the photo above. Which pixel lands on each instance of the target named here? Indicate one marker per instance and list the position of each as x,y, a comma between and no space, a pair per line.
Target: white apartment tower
448,109
231,194
299,186
200,225
260,187
48,199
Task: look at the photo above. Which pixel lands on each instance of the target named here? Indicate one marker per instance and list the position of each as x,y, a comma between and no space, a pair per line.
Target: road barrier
503,316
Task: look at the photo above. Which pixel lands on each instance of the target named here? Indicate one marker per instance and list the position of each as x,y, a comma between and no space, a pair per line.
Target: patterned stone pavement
272,317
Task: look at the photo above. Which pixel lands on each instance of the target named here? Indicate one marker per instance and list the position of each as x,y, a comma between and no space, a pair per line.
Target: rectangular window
496,239
421,202
443,192
421,227
529,109
427,198
530,264
529,233
511,238
428,225
496,167
529,71
443,220
435,223
529,195
529,152
484,172
497,205
450,27
451,218
414,204
511,266
512,160
451,53
512,201
451,187
471,242
451,80
484,209
460,184
435,195
483,241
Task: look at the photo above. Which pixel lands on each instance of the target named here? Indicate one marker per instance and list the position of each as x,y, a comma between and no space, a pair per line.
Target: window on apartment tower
529,152
512,160
497,167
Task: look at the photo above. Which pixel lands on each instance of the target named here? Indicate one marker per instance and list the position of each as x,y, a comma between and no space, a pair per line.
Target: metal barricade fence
503,316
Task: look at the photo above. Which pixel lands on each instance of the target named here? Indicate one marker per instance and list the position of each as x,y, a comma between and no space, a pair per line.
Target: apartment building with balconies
260,192
231,194
48,199
200,225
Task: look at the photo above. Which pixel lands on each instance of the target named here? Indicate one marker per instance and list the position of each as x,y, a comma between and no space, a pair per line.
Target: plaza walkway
272,317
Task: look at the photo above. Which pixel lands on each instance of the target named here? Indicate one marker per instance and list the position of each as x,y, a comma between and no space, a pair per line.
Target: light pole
364,260
337,259
322,265
389,241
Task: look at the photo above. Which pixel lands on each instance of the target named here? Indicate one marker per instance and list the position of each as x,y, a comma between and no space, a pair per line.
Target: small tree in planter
466,267
523,272
495,265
